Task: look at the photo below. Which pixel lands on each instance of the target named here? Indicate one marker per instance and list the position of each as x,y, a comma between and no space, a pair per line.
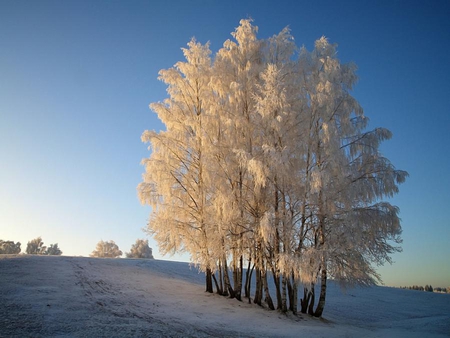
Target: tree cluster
36,247
427,288
9,247
442,290
106,249
140,249
53,250
109,249
265,170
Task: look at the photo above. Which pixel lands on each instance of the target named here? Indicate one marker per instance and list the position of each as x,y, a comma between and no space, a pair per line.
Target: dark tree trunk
311,304
219,290
323,293
323,277
238,287
221,278
228,289
267,298
209,285
248,281
305,300
258,292
276,280
292,291
235,272
283,294
247,275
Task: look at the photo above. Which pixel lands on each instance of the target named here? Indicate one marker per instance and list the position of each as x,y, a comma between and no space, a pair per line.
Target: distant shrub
140,249
36,247
53,250
106,249
9,247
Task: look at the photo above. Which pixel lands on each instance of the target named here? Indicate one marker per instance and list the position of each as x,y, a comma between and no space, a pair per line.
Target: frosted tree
106,249
177,183
266,160
36,247
278,107
348,177
9,248
140,249
53,250
236,71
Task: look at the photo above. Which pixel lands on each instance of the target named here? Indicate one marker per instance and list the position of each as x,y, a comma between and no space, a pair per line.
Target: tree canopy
140,249
36,247
9,247
53,250
106,249
266,160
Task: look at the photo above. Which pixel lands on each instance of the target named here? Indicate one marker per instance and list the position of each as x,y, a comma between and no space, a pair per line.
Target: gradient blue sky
76,78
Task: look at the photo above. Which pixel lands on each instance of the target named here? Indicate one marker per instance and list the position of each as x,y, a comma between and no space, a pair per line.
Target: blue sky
76,79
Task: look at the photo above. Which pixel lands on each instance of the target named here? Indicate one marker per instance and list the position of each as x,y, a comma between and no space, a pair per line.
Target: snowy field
53,296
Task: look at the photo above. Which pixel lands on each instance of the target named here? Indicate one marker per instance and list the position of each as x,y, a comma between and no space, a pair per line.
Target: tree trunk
293,297
221,278
305,300
238,287
323,293
228,289
234,267
276,280
311,304
209,285
276,248
248,281
267,298
258,292
283,294
219,290
323,277
289,292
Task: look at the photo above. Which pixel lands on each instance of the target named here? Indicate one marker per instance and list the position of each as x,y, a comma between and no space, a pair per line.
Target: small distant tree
107,249
36,247
53,250
9,247
140,249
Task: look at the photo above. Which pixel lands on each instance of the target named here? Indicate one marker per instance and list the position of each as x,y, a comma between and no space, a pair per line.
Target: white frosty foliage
106,249
36,247
265,158
140,249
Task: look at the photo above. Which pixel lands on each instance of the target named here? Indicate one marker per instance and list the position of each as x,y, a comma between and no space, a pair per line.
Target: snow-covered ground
48,296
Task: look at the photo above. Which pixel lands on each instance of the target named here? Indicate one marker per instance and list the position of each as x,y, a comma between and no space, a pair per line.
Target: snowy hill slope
48,296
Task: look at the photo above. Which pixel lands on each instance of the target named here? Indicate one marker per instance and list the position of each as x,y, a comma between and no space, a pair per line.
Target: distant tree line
34,247
109,249
427,288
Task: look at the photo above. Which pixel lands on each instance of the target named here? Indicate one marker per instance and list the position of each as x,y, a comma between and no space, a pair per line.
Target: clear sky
76,79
